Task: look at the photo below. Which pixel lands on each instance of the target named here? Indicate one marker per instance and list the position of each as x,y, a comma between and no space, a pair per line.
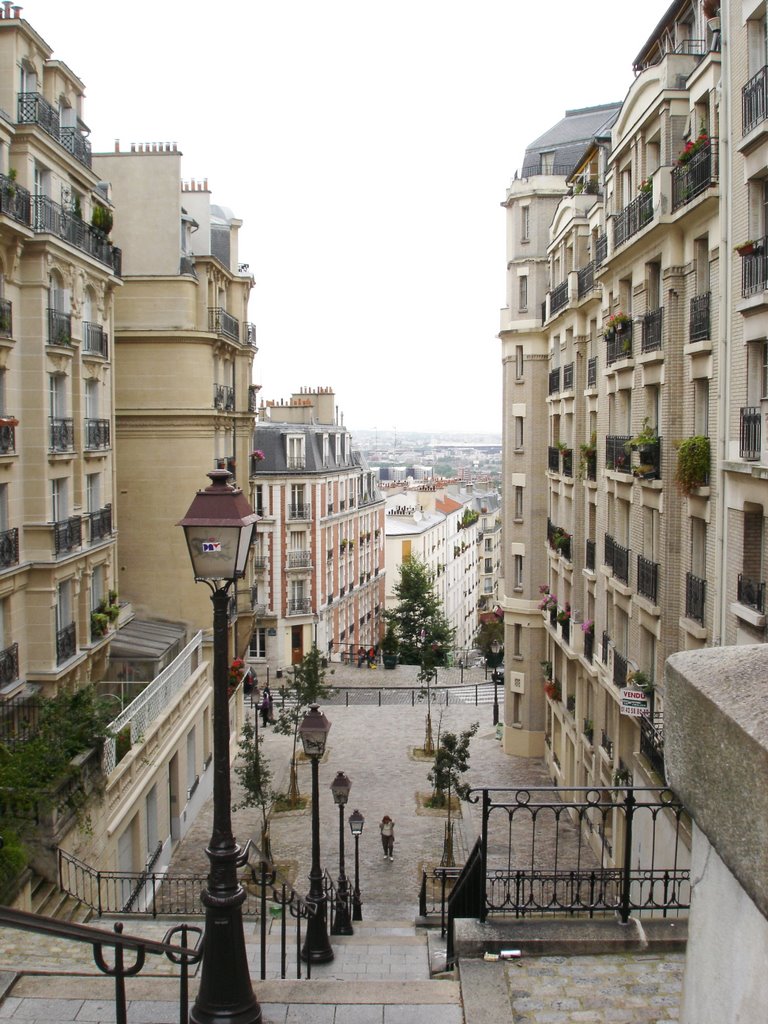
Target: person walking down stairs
387,829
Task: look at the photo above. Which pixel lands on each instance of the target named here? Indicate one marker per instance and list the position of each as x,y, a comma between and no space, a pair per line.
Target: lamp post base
317,948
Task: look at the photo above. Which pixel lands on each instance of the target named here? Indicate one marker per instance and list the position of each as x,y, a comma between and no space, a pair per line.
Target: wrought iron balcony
299,606
568,462
67,534
647,578
62,435
66,643
750,440
9,548
751,593
695,594
616,454
259,563
606,743
96,433
6,318
296,462
59,327
592,372
618,343
621,563
558,298
223,397
95,339
249,334
15,201
554,381
568,377
589,653
7,436
76,144
619,669
589,555
299,559
601,249
586,279
299,511
694,177
754,101
51,218
100,524
32,108
652,741
651,330
9,666
221,322
699,329
605,646
754,269
633,218
553,459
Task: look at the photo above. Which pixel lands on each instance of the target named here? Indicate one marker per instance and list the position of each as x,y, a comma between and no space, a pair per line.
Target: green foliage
390,645
101,219
13,859
491,631
419,608
451,762
692,463
306,685
254,772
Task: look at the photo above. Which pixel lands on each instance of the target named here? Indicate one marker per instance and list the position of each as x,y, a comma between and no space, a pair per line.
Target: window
764,371
295,452
258,497
91,399
98,592
517,640
701,407
151,812
698,547
518,504
751,559
258,645
518,572
525,223
63,605
191,762
59,499
326,449
3,507
519,420
57,396
522,295
488,565
519,362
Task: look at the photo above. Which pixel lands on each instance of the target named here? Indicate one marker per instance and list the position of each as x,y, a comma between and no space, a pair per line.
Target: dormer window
295,452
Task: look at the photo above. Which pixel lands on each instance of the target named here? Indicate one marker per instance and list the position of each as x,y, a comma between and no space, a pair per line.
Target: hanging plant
693,462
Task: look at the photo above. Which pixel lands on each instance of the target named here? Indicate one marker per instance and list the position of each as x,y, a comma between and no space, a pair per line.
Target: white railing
154,701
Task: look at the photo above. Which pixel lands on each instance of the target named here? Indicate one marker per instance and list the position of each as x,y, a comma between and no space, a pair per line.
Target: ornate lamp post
317,948
342,925
219,527
356,822
495,648
426,676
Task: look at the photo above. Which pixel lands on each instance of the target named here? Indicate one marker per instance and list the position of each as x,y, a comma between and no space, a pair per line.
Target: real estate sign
634,702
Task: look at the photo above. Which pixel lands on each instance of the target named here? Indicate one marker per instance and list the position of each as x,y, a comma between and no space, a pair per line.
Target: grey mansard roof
567,140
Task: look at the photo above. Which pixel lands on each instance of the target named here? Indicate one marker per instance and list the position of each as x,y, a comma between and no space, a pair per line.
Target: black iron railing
754,101
32,108
95,339
253,397
9,547
7,438
589,555
75,143
96,434
647,578
608,546
616,453
619,669
751,593
554,381
298,605
586,279
695,594
652,330
601,249
690,179
606,743
558,298
62,435
633,218
59,327
592,372
66,643
605,645
699,328
567,454
553,459
299,559
67,534
50,217
301,510
15,201
100,524
223,397
589,653
621,563
222,322
754,269
750,441
652,741
6,318
9,672
568,377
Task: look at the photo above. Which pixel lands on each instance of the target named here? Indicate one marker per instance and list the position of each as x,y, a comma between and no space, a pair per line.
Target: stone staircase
48,899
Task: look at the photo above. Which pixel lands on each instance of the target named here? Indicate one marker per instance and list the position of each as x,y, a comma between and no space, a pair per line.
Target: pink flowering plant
588,627
258,454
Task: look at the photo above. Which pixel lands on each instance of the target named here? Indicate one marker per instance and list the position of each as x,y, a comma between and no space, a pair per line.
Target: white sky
366,146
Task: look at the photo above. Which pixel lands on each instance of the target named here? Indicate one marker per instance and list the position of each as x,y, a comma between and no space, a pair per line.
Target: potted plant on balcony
640,681
693,146
645,443
692,463
748,248
553,690
588,455
645,188
589,729
711,11
9,189
101,219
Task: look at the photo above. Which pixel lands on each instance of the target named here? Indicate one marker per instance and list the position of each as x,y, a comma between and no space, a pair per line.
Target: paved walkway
381,974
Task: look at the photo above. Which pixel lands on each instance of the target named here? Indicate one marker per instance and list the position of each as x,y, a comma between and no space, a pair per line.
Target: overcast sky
366,146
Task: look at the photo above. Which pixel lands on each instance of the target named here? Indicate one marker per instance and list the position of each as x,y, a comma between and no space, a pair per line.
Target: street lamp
356,822
342,925
317,949
315,620
219,527
495,647
426,673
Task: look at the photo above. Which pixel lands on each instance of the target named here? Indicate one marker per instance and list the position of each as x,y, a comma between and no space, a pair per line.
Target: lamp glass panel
214,551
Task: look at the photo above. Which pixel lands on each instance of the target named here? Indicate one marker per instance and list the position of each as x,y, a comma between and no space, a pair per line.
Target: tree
490,632
451,761
255,775
306,686
418,618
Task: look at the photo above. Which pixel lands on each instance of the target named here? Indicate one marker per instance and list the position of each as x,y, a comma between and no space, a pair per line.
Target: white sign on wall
634,703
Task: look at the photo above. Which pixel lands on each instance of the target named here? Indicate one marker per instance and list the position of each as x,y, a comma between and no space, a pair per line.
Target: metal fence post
629,810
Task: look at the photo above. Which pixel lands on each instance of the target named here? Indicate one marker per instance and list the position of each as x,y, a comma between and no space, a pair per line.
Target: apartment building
319,558
626,549
59,273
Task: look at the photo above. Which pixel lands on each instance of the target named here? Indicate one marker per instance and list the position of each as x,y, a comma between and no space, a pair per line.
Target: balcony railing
605,644
694,177
553,459
62,435
754,101
6,318
75,143
699,329
619,669
7,438
633,218
695,594
299,606
589,650
66,643
608,544
751,593
9,672
221,322
586,279
589,555
750,440
96,434
621,563
651,330
9,548
558,298
32,108
606,743
568,462
618,344
299,511
95,339
754,269
249,334
59,328
299,559
15,201
592,372
616,454
647,578
652,741
100,524
223,397
554,381
67,534
568,377
601,249
52,218
296,462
